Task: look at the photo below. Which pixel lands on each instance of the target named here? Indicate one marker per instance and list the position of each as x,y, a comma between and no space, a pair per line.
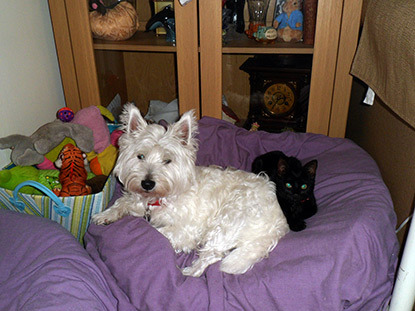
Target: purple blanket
345,259
43,267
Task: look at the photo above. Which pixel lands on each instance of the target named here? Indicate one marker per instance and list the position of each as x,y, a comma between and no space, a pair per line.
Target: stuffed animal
115,23
30,150
103,163
289,23
10,178
92,118
73,175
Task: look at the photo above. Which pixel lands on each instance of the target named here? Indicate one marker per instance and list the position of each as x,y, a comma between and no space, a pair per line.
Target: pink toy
46,165
91,117
114,137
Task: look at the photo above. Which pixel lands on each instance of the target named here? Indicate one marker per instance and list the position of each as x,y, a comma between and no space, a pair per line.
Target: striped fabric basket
73,213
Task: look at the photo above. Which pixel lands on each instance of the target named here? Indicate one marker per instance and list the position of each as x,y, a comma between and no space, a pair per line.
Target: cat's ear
311,168
257,165
282,166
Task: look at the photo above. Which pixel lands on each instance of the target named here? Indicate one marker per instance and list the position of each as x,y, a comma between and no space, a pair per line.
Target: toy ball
65,114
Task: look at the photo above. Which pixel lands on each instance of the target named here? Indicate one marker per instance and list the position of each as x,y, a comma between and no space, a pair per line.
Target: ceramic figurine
165,19
265,34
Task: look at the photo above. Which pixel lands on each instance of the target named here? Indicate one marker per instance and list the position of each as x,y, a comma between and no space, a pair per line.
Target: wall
391,142
30,85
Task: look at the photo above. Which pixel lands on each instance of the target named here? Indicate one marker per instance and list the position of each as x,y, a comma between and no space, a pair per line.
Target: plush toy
54,153
10,178
92,118
116,22
103,163
289,23
30,150
72,175
106,113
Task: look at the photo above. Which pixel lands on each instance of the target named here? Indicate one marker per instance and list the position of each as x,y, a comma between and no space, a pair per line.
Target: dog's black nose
147,184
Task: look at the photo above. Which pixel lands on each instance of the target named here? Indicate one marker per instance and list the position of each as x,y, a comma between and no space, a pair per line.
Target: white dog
224,214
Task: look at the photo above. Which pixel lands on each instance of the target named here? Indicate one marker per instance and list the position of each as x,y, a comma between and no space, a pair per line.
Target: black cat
294,185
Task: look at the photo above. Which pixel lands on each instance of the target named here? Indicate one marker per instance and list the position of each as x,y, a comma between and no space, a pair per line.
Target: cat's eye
288,185
141,156
304,186
167,161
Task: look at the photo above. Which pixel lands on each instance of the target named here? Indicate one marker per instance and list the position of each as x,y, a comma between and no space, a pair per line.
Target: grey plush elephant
30,150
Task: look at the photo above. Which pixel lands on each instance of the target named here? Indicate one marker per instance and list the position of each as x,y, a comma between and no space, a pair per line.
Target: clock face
279,98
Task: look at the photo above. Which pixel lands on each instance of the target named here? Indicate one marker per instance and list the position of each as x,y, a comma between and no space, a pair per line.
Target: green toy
11,177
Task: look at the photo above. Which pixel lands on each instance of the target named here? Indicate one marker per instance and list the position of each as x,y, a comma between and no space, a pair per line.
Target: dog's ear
132,119
186,127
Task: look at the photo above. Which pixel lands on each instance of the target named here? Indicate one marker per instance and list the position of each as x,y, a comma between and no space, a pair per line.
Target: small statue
165,19
289,23
265,34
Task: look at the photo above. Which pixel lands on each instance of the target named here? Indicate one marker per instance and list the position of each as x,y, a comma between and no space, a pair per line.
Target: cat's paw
298,226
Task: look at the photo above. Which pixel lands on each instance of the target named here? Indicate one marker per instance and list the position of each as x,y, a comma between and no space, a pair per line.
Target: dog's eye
140,156
304,186
167,161
288,185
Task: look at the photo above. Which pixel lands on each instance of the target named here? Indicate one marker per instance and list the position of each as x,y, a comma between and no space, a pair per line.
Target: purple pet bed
344,260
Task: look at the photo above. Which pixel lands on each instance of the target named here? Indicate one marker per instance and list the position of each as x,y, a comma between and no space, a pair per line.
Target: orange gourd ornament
115,23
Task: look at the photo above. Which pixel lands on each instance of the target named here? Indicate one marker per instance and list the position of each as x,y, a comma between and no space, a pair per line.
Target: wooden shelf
141,41
149,42
244,45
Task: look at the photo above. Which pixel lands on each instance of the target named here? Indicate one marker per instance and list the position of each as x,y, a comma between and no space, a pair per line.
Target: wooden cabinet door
139,69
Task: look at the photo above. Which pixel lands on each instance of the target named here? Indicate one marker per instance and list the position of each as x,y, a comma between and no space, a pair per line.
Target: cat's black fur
289,177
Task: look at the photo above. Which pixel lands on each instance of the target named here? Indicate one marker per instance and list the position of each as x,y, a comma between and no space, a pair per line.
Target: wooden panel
81,38
343,80
187,56
111,75
324,65
210,19
236,84
150,76
64,51
141,41
244,45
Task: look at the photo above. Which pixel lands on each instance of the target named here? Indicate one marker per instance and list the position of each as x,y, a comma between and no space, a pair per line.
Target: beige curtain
385,58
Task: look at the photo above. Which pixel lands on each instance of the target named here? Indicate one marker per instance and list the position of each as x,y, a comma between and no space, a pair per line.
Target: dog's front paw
100,219
192,271
105,218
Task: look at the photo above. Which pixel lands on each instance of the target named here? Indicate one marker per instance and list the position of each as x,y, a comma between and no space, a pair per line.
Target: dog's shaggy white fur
224,214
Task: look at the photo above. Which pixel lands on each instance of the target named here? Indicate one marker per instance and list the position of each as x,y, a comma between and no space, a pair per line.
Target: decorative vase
257,15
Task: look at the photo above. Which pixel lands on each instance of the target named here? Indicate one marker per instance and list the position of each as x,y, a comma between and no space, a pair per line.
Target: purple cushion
345,259
43,267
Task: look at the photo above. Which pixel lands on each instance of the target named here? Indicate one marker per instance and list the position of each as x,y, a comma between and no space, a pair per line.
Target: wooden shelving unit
141,42
248,46
197,59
